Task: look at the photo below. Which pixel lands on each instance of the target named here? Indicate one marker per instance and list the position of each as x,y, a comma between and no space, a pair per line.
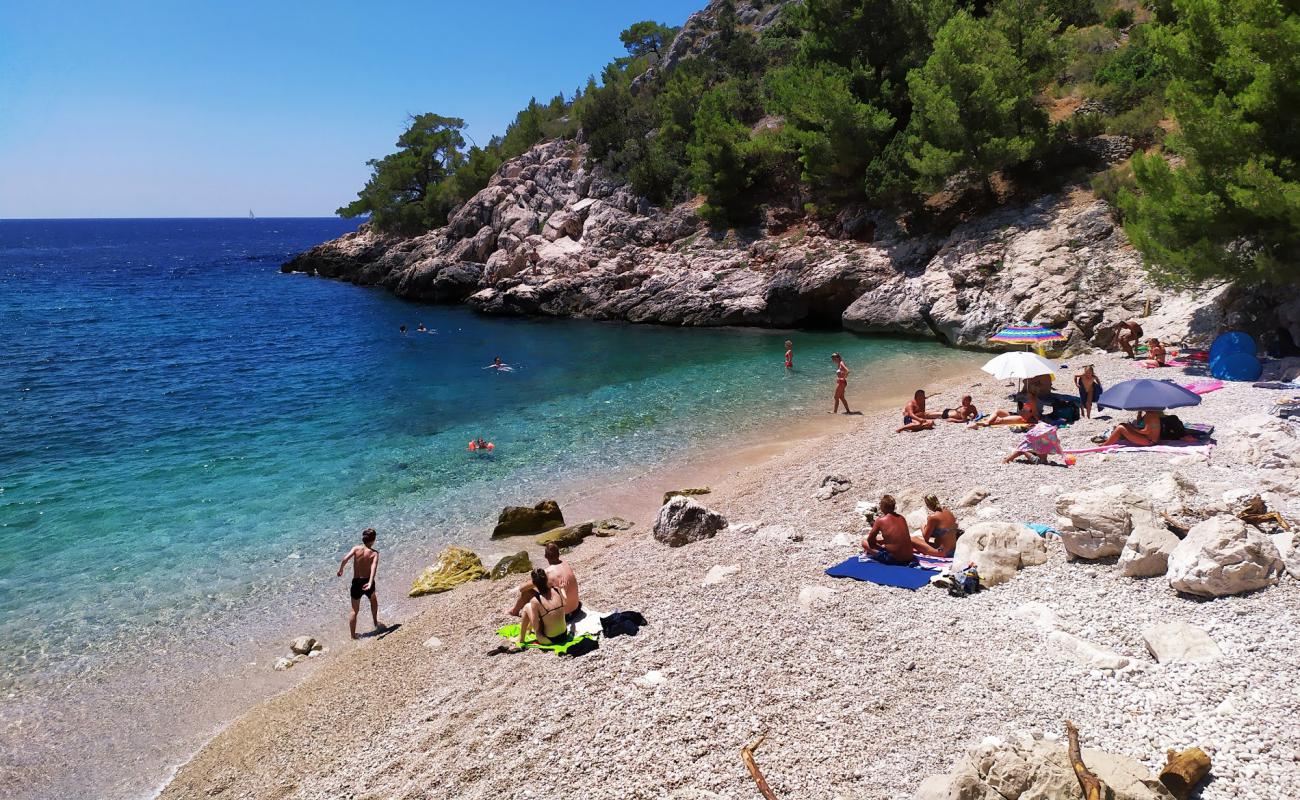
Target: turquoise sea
189,440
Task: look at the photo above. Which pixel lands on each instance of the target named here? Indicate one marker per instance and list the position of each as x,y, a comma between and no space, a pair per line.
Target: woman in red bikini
789,354
841,383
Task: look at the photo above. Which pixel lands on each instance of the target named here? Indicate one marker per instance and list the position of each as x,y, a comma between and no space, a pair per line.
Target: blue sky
115,109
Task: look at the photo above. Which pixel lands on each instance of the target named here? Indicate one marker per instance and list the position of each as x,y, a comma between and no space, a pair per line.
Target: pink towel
1169,362
1163,447
1202,387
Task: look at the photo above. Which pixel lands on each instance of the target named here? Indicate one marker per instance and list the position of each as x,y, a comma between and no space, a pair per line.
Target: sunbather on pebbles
889,540
558,574
966,412
939,536
1027,415
915,417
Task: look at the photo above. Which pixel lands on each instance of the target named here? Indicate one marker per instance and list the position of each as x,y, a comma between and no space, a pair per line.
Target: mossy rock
571,536
516,564
686,493
456,565
610,525
525,521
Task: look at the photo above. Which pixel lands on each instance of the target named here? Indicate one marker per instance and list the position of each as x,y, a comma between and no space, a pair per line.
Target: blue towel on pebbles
872,571
1041,529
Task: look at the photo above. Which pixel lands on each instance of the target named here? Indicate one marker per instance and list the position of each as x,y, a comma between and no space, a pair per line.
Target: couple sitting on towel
549,602
891,542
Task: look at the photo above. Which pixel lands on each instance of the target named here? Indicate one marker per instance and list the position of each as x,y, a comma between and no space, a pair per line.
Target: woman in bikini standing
841,383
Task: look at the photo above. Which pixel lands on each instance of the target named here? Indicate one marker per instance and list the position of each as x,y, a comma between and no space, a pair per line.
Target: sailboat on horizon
250,214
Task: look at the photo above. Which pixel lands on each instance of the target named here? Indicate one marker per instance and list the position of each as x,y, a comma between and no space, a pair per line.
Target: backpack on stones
965,582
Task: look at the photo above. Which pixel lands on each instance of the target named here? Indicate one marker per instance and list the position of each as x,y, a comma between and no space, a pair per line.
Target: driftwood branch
747,755
1088,781
1180,530
1183,770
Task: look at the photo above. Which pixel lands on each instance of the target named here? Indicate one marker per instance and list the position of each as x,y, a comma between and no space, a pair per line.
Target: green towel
511,632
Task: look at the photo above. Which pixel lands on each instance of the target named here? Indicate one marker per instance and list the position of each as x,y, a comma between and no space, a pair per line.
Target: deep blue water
186,434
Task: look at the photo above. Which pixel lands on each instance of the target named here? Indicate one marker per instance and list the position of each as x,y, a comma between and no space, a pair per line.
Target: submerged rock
610,525
525,521
455,565
683,521
303,645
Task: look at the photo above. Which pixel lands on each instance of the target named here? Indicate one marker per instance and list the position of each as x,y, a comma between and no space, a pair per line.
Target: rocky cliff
550,236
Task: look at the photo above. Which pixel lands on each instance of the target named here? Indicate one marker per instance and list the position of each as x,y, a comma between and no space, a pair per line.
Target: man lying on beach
365,569
1027,415
558,574
939,536
915,417
966,412
889,540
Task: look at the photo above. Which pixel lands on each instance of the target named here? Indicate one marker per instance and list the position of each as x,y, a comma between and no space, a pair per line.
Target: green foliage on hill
884,102
1232,207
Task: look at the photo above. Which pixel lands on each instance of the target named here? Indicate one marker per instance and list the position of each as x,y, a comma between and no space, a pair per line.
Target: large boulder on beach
525,521
999,550
683,521
1222,556
513,564
455,565
1095,523
1288,547
1261,440
1172,642
569,536
1034,769
1146,551
1170,492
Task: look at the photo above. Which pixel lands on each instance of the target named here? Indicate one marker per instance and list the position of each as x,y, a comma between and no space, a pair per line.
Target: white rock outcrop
999,550
1261,440
1222,556
1095,523
1172,642
1146,551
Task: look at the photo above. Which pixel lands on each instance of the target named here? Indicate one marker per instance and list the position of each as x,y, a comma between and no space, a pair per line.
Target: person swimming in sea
789,354
499,365
841,383
421,329
402,329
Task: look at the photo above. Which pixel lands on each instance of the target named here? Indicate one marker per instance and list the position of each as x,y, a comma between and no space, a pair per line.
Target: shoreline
460,703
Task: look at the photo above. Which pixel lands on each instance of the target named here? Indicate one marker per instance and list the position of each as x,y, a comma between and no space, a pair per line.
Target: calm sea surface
187,436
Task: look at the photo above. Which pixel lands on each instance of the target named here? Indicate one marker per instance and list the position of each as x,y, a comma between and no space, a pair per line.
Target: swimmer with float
499,365
480,446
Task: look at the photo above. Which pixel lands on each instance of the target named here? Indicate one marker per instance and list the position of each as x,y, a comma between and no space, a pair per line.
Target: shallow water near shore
189,440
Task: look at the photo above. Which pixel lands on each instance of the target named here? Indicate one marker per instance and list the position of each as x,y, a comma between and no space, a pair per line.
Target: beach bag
1041,440
1171,427
965,582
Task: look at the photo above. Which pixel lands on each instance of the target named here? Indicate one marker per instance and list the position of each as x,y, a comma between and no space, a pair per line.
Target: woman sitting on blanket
544,614
939,536
889,541
1142,432
1028,415
1157,353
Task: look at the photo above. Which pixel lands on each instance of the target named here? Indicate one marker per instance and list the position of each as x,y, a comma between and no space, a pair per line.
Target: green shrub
1086,126
1108,185
1120,19
1142,122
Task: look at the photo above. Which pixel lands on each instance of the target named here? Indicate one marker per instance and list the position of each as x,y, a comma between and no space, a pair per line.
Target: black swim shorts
357,591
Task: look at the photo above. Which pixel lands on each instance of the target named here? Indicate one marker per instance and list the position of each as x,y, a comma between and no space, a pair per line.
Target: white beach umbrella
1018,365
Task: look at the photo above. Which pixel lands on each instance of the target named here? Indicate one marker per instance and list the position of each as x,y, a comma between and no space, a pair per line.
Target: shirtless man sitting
966,412
915,417
1127,335
889,541
939,536
365,570
1027,415
559,575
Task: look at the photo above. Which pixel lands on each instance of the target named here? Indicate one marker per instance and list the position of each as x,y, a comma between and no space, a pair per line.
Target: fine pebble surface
862,690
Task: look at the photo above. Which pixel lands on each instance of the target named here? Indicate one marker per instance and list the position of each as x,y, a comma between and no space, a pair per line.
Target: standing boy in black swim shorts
365,568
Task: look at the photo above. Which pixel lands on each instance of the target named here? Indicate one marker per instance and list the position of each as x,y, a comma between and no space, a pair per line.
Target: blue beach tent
1232,358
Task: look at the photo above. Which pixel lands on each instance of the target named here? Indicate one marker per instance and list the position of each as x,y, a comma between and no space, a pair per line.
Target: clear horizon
154,111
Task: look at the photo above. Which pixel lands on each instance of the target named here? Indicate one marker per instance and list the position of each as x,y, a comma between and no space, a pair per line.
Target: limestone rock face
455,565
570,536
552,235
1261,440
683,521
515,564
1221,556
998,550
1097,522
1146,551
525,521
1180,642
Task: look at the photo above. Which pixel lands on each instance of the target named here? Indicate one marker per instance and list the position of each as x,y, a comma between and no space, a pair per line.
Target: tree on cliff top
1232,208
645,37
402,194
